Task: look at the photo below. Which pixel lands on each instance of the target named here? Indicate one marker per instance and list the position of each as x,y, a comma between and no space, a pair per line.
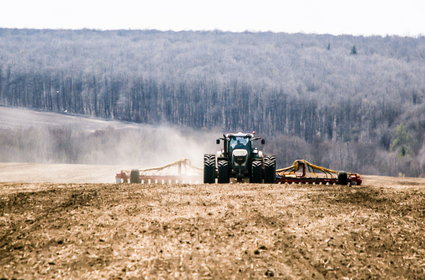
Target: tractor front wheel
256,172
270,169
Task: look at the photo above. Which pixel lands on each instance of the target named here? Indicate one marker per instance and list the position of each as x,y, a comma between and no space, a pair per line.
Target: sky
356,17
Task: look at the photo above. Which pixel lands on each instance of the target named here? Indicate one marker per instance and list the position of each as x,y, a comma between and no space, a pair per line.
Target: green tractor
239,159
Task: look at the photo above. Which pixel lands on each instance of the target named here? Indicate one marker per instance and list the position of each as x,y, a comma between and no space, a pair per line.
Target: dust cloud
31,136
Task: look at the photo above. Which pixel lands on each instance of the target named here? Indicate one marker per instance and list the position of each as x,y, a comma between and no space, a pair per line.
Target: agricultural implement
181,171
304,172
241,161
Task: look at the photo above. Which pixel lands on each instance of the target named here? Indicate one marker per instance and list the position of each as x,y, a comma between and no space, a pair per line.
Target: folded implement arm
302,171
181,171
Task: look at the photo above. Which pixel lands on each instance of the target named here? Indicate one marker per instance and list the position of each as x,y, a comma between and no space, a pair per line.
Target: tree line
307,91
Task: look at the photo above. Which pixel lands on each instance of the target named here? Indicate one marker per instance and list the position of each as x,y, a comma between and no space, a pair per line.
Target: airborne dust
38,137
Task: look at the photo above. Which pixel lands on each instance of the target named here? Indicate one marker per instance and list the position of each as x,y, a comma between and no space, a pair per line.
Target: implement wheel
342,178
209,169
135,176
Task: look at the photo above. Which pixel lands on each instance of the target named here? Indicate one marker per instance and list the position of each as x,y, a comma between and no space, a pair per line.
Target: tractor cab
239,149
239,142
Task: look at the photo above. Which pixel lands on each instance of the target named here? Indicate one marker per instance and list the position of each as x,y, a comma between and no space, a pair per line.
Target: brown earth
235,231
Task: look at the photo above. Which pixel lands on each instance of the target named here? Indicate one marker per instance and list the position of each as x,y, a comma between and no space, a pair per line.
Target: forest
348,102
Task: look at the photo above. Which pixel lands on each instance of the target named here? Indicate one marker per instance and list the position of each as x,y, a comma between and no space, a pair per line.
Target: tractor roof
239,134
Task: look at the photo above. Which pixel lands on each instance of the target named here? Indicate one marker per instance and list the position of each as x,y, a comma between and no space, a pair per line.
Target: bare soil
235,231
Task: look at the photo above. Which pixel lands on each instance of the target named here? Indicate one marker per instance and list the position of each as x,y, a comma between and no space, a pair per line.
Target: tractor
239,159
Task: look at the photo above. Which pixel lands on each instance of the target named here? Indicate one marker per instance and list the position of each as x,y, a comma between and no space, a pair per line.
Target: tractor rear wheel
342,178
270,169
209,169
256,172
223,172
135,176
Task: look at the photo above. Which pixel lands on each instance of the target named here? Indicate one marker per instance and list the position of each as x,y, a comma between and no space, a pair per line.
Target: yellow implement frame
306,167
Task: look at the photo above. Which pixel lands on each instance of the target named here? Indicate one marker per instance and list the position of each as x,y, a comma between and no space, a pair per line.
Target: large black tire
209,169
223,172
342,178
135,176
270,169
256,172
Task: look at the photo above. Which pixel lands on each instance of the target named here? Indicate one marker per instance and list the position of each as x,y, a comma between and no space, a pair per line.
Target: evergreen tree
402,140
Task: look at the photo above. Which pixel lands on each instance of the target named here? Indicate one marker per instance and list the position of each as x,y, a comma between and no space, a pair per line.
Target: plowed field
235,231
79,226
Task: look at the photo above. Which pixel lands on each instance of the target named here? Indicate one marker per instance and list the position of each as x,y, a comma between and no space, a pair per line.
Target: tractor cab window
238,142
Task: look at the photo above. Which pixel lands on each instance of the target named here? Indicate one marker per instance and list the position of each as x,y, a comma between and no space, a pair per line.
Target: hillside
359,99
29,136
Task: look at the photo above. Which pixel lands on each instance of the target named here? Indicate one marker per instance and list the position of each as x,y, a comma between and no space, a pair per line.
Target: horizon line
216,30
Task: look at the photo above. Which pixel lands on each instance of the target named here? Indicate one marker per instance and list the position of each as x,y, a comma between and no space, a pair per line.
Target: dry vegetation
106,231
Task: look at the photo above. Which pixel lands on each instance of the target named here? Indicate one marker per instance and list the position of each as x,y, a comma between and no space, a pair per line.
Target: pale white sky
358,17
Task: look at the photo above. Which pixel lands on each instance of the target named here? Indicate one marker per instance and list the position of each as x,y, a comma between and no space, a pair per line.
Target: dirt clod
269,273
